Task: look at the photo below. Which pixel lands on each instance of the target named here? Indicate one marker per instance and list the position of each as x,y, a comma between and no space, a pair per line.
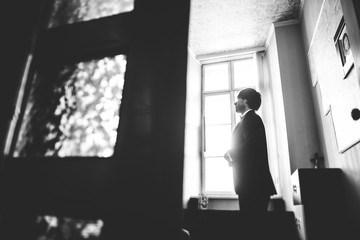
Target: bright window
71,93
221,84
74,110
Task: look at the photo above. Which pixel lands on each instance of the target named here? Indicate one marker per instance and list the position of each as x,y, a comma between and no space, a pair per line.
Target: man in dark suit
248,155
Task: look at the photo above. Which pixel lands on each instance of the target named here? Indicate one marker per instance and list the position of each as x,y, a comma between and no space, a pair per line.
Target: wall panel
332,90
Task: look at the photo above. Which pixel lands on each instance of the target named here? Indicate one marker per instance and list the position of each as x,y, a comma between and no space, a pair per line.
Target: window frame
232,91
150,145
54,47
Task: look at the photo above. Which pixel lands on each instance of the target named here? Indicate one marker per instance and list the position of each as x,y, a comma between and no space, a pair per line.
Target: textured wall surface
326,69
310,14
298,104
341,95
219,26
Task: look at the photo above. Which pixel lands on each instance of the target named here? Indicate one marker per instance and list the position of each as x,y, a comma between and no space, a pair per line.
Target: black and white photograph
180,120
343,47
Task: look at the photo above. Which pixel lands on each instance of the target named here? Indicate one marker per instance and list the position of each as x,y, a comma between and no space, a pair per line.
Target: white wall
298,103
267,110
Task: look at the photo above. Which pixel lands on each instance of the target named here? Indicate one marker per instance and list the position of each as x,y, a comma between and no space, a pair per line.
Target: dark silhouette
248,155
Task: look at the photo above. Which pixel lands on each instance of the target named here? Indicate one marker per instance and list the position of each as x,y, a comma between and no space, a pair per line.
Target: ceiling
218,26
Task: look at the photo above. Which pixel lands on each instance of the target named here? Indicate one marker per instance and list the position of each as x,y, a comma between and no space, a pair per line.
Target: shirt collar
243,115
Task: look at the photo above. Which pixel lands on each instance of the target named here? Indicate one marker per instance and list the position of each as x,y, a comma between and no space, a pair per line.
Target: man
248,155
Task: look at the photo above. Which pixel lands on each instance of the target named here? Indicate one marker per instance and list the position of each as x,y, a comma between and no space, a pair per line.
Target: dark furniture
319,203
235,225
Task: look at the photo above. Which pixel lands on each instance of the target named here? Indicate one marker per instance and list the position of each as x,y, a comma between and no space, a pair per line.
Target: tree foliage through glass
74,111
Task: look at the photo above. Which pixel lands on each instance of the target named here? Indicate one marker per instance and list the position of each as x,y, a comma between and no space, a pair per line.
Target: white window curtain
268,116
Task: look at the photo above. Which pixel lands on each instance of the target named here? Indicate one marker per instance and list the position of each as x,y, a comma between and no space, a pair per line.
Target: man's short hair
252,96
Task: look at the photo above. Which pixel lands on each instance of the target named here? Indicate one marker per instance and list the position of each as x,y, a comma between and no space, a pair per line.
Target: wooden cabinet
319,203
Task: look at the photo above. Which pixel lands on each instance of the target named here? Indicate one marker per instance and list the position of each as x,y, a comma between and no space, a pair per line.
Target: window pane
217,109
72,11
245,73
74,111
216,77
217,139
218,175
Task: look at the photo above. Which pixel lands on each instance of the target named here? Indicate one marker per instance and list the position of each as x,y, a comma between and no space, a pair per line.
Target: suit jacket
250,159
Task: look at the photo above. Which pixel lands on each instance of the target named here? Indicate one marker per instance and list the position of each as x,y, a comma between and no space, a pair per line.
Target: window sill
217,202
230,202
221,196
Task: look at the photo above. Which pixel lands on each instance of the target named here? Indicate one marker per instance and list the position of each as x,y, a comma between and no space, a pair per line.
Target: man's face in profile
240,105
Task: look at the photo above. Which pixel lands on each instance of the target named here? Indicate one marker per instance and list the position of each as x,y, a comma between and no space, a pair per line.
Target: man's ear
246,102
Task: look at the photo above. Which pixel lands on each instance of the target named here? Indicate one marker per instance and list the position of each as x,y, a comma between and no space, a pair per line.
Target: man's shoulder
252,118
251,114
